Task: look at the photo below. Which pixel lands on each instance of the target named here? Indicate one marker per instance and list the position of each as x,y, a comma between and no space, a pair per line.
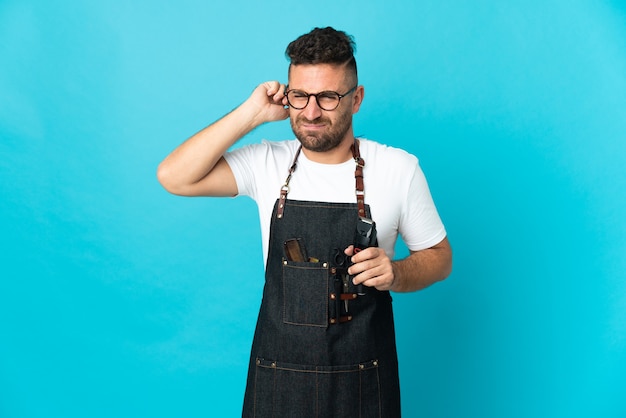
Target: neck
339,154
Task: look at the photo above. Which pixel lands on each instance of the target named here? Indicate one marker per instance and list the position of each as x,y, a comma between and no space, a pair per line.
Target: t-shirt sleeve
259,169
248,163
420,224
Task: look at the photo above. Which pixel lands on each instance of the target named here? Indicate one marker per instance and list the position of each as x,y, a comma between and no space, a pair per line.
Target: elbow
444,253
164,176
446,270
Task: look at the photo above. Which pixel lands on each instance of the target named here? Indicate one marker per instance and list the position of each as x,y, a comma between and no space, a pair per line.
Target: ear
357,99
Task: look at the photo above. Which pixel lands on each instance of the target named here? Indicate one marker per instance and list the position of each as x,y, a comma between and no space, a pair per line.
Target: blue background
119,300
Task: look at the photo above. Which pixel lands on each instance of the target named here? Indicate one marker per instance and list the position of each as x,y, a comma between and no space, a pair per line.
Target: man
325,341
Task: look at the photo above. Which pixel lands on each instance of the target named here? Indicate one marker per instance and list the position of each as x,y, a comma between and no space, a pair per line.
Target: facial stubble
326,140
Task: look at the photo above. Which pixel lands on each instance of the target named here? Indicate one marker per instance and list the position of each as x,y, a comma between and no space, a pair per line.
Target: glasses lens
297,99
328,100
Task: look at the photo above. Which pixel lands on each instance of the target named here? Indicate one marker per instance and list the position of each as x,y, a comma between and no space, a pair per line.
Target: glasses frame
308,97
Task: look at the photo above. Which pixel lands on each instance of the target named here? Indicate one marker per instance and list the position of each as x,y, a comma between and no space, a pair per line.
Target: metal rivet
325,265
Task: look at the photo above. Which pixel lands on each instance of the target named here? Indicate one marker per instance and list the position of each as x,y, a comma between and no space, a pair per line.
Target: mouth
312,125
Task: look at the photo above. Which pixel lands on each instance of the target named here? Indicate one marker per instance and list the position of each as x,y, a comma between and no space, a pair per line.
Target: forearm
422,268
197,156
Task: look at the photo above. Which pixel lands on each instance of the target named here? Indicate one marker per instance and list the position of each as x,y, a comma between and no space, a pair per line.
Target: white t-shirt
395,188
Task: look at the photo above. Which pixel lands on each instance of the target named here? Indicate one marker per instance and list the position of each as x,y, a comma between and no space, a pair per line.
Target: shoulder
288,146
270,147
386,157
259,169
264,152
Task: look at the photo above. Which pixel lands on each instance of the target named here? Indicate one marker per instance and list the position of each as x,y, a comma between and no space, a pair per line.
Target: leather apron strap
358,176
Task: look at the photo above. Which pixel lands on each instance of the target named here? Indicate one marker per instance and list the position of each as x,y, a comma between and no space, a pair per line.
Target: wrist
250,115
394,276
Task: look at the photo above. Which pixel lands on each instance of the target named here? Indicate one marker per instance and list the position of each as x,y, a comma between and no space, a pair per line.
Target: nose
312,110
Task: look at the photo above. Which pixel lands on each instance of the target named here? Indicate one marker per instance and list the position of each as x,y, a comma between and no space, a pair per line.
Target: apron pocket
305,298
293,390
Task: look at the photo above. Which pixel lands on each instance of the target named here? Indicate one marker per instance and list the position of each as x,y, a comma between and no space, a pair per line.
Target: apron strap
358,175
285,189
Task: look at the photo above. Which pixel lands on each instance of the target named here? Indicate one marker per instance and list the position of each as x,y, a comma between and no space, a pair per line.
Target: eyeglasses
326,100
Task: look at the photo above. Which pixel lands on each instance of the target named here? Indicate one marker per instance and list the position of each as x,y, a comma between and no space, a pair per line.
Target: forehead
318,77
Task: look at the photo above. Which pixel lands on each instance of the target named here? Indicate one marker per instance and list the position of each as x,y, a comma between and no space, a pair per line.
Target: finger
277,92
376,282
379,266
271,87
280,92
349,251
366,254
380,282
365,271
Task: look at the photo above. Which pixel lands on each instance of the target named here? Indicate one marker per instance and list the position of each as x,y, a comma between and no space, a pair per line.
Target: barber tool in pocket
295,250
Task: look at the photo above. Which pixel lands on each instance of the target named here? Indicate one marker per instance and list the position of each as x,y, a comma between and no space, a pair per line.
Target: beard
322,140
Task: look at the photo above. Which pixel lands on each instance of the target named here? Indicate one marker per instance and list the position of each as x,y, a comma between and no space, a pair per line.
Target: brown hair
323,46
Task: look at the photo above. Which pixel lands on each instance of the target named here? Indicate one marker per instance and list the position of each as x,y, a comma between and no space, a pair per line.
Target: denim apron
312,357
